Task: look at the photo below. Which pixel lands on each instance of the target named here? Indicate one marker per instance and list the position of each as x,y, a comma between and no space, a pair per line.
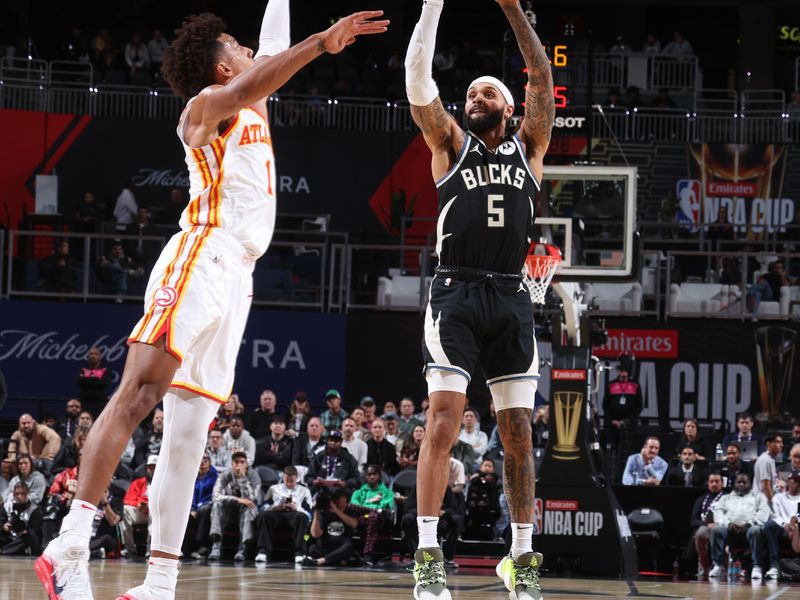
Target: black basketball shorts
487,322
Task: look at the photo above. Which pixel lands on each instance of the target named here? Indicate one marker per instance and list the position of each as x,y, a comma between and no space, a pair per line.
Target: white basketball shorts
199,296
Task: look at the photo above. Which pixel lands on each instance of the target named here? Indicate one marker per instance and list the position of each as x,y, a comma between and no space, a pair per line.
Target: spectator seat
400,291
615,297
701,298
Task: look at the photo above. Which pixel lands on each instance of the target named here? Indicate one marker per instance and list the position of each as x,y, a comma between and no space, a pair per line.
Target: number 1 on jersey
497,215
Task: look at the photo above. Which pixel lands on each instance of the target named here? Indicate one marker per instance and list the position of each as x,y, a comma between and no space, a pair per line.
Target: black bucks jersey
486,208
479,311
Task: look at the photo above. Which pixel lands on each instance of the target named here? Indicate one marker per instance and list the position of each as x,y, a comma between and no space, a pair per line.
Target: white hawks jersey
232,182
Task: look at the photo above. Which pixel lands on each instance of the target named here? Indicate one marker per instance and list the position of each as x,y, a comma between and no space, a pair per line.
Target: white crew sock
162,574
521,539
78,522
427,532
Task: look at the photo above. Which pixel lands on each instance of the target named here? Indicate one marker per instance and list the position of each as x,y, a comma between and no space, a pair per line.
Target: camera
323,502
18,525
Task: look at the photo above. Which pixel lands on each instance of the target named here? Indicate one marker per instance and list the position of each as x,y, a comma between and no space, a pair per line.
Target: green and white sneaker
521,577
429,575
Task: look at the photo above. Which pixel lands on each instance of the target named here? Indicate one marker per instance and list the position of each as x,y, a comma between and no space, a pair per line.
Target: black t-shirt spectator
274,453
729,475
333,529
258,423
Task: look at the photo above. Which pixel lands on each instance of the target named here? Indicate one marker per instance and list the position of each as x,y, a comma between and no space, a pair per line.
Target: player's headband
494,81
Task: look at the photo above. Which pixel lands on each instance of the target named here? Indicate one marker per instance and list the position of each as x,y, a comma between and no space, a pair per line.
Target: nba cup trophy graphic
567,419
740,174
775,357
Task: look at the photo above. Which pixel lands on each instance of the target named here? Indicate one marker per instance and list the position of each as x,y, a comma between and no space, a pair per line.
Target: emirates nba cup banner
754,367
745,179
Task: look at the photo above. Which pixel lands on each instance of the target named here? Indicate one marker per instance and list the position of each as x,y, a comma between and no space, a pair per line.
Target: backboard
590,214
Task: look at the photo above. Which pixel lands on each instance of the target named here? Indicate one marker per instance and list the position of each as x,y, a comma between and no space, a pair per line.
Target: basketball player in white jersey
184,349
480,312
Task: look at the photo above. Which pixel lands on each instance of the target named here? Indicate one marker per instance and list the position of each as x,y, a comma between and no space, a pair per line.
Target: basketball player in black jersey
480,310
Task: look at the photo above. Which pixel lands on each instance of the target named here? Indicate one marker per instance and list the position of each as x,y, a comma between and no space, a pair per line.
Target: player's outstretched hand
344,31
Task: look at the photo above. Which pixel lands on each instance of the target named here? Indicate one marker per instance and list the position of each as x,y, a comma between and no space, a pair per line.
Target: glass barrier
733,285
388,277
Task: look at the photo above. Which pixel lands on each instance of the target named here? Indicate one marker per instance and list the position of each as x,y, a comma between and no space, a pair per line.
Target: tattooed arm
442,134
540,111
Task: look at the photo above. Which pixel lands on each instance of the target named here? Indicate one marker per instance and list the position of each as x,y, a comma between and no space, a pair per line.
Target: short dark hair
238,454
339,492
688,447
744,415
734,445
290,470
190,59
279,419
20,485
772,436
473,411
237,418
373,467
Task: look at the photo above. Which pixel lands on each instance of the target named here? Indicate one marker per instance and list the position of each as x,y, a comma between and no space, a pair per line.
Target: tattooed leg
519,476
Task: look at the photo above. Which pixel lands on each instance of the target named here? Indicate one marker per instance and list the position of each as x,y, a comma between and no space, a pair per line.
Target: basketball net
540,267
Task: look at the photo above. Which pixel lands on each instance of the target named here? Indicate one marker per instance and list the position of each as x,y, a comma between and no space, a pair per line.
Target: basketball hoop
539,270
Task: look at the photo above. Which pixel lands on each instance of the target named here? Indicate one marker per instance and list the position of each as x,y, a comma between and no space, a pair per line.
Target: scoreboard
568,59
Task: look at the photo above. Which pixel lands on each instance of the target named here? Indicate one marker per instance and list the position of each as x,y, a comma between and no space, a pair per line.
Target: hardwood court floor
226,582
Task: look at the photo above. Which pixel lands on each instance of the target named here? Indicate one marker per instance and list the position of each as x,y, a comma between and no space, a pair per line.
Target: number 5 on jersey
497,215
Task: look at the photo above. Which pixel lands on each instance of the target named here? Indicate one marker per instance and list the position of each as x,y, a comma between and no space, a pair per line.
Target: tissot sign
43,346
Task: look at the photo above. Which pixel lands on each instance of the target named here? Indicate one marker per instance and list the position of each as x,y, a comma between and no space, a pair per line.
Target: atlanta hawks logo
166,296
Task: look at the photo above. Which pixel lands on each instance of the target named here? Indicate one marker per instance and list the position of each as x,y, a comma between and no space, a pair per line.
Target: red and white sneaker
144,592
64,571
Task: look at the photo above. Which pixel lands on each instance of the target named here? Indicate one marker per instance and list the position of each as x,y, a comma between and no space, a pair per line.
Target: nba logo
689,202
538,511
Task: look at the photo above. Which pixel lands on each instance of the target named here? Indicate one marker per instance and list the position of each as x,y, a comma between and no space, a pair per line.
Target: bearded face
484,118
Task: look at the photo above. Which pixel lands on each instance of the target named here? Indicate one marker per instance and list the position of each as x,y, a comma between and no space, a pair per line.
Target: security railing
673,73
705,125
797,73
658,124
650,72
292,273
325,272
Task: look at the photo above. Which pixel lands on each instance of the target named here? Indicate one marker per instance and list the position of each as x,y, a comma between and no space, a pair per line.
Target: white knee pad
516,393
441,380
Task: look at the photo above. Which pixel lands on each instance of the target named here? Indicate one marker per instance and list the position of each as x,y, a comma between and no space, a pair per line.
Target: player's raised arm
442,134
270,73
540,111
275,30
206,63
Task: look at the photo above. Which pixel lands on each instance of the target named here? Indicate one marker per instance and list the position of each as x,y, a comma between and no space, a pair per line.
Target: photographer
20,523
104,527
287,505
332,530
